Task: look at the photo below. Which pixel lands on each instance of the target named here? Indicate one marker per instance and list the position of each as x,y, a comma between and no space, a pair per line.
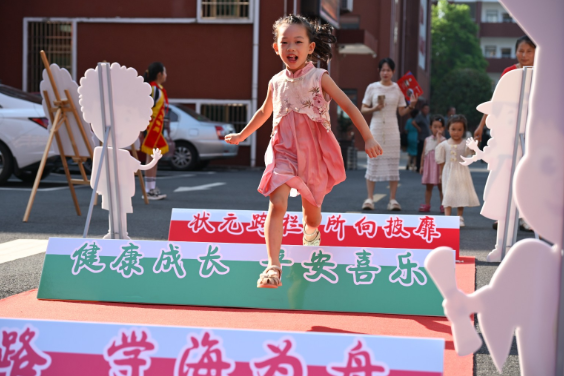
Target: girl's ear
275,47
311,48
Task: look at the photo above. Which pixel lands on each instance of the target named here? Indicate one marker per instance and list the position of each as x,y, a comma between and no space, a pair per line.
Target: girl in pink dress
303,156
429,167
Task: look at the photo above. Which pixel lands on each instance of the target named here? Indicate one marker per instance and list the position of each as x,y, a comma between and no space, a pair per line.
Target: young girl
155,75
412,130
429,167
458,188
303,156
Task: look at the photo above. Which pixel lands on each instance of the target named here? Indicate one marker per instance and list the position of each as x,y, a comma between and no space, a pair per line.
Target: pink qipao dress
303,152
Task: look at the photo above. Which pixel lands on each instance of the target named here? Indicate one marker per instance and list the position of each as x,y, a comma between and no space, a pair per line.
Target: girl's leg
150,175
448,210
428,194
393,189
370,188
312,219
273,230
460,211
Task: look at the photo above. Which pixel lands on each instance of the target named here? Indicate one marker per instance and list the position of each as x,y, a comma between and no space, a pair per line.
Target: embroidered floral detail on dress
314,90
307,104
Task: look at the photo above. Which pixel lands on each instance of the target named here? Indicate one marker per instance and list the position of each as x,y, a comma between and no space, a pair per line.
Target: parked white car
197,138
23,135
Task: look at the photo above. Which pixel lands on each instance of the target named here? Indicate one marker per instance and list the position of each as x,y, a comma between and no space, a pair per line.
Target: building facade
218,53
498,34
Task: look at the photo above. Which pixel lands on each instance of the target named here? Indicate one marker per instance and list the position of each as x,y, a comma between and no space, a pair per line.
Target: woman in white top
384,100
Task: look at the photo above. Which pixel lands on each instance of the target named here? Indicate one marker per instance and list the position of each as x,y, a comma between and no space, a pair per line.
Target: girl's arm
441,166
260,117
372,147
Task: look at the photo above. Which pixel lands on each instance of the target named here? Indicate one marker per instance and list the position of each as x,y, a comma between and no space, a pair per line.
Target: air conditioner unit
346,6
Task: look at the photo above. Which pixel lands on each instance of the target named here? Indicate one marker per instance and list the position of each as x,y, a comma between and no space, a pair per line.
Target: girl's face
525,54
161,77
293,46
456,131
386,73
437,128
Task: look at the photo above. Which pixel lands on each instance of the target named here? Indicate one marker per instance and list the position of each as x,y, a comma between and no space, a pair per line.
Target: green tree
455,51
464,88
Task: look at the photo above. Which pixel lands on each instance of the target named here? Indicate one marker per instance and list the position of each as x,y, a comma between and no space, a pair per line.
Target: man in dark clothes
422,120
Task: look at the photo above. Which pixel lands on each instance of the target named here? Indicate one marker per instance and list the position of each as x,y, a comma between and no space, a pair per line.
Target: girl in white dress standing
458,189
384,99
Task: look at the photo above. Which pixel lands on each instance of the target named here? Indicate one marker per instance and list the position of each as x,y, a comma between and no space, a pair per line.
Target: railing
225,9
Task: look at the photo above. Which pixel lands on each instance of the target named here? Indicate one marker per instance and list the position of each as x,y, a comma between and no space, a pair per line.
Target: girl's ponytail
323,37
321,34
153,70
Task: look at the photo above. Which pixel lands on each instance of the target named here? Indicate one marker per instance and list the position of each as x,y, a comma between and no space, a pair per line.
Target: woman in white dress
384,100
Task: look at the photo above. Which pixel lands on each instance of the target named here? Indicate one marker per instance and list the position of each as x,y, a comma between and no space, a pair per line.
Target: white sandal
393,205
316,241
368,204
271,278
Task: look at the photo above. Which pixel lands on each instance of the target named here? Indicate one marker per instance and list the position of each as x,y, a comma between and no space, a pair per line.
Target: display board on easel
72,134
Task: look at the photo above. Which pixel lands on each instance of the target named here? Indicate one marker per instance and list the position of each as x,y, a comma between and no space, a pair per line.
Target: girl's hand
379,106
372,148
234,138
413,100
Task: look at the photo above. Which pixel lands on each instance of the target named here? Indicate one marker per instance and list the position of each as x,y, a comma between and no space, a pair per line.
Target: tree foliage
464,88
454,47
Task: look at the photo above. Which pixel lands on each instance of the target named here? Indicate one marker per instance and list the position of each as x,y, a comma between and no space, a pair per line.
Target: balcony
500,30
358,42
498,65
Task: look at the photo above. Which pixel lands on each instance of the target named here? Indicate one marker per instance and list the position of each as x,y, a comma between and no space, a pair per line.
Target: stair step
68,348
337,229
343,279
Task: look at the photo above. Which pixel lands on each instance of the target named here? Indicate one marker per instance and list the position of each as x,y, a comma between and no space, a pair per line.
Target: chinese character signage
337,230
65,348
341,279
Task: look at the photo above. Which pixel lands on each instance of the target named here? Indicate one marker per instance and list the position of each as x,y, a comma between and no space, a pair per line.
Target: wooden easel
140,175
58,116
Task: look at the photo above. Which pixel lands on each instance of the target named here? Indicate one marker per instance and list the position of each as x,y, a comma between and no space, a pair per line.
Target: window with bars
490,51
222,9
233,113
491,16
55,38
506,52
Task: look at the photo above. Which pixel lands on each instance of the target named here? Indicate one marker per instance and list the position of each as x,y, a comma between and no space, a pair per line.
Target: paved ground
53,214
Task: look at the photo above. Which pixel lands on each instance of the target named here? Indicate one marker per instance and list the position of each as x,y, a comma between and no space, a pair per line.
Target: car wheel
28,176
6,163
185,157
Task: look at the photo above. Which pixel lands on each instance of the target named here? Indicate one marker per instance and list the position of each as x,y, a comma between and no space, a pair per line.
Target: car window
172,116
192,113
19,94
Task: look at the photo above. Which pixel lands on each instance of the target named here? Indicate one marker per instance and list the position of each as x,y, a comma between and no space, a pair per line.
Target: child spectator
456,180
412,130
430,170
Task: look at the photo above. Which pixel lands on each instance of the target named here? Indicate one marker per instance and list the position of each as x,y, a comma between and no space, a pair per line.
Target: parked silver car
197,138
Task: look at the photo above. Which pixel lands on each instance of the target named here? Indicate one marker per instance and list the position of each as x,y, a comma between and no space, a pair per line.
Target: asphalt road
53,215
